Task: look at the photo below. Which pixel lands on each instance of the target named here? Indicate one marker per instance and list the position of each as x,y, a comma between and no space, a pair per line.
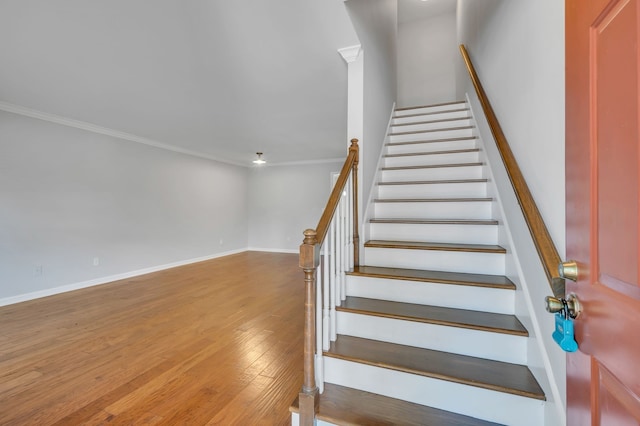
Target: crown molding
82,125
351,53
304,162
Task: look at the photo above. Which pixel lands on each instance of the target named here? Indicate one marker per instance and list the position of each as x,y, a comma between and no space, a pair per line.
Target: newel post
354,192
309,260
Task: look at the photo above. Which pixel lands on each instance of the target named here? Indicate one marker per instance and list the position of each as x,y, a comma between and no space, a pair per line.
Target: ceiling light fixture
259,160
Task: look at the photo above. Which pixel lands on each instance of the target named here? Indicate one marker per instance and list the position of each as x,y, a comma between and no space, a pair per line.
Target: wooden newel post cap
310,236
354,148
309,255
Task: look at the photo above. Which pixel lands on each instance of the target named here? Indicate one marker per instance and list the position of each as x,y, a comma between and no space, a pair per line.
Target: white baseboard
104,280
274,250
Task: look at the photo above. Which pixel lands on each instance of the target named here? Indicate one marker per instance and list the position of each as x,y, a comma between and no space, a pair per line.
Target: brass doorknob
553,304
569,270
572,304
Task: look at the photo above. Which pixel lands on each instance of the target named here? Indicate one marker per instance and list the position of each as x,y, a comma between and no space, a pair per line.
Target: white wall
68,196
375,22
286,200
427,56
517,48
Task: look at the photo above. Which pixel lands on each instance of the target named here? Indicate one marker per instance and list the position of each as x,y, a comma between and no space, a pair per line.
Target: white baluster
339,256
319,331
345,248
350,221
325,297
332,278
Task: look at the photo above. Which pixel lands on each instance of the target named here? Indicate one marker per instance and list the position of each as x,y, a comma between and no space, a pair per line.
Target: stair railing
542,239
326,254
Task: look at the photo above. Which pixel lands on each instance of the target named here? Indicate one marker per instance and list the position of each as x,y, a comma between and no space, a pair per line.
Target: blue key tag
563,334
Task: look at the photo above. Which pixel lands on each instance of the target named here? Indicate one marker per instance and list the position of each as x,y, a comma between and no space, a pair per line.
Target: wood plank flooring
217,342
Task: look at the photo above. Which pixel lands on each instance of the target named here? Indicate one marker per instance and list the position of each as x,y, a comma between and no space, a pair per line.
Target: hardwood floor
217,342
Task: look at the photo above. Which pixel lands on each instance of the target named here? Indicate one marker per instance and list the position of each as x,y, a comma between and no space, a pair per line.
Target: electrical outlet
221,241
96,261
37,270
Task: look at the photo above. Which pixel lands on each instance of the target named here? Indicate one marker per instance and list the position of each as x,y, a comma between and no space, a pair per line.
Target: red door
602,187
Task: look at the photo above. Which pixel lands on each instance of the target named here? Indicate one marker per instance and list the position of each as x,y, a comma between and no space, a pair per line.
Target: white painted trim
303,162
82,125
551,382
369,209
275,250
350,53
105,280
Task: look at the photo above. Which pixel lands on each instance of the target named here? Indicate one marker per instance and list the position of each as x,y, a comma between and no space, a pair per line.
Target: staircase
427,334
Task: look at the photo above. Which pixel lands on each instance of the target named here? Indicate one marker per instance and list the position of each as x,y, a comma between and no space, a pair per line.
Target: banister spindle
354,194
309,261
332,283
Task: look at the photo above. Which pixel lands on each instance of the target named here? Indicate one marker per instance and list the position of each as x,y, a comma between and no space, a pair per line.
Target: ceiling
413,10
219,78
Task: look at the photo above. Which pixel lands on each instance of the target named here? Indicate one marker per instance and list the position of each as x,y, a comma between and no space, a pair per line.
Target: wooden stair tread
450,151
462,318
462,138
430,113
488,374
429,106
430,182
422,245
433,166
437,221
443,129
431,200
441,277
442,120
350,407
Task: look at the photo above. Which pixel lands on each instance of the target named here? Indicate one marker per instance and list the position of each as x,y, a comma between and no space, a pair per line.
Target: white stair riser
433,210
432,159
432,173
430,109
441,134
499,301
436,260
457,112
463,341
430,123
472,401
435,233
295,421
433,190
445,145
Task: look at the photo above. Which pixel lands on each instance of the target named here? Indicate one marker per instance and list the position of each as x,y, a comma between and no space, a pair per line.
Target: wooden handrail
350,164
308,398
541,238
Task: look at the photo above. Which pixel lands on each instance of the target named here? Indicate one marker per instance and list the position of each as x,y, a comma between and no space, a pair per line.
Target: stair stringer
523,266
365,228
